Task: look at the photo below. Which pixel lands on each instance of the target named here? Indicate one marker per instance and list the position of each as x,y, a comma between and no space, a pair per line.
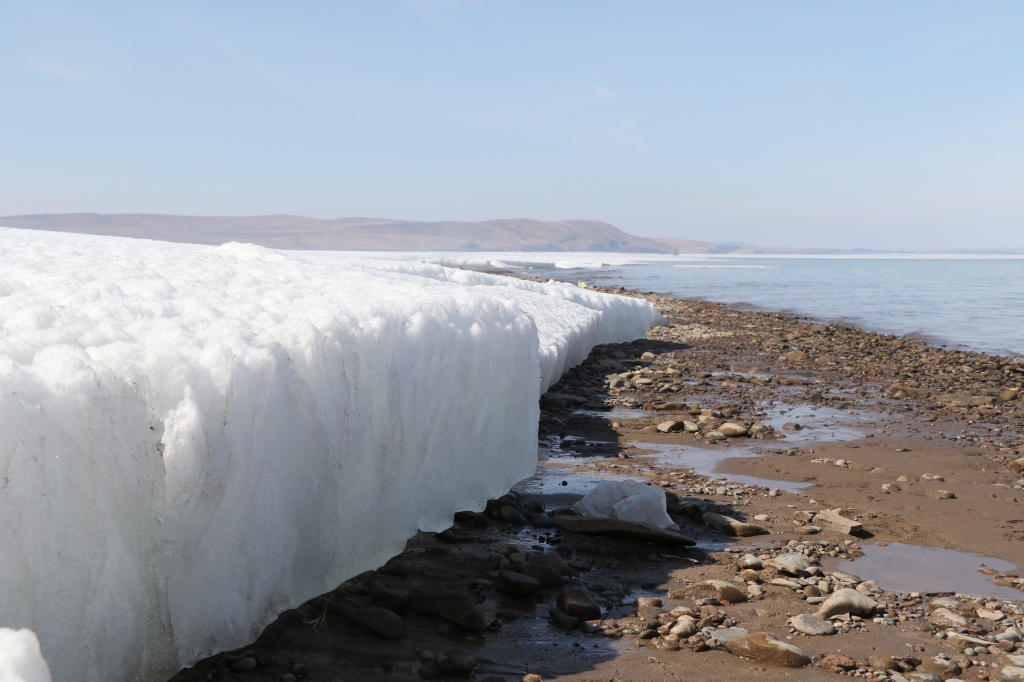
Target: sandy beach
818,469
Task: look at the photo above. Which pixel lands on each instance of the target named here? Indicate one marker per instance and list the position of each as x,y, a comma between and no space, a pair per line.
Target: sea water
973,303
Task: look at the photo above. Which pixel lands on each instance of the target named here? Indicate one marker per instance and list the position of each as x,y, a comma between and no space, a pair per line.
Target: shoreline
881,407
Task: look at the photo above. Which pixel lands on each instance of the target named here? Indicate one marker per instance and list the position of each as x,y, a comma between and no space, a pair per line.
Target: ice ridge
194,439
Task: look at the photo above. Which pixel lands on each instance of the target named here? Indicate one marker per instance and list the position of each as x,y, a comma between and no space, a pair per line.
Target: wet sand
940,429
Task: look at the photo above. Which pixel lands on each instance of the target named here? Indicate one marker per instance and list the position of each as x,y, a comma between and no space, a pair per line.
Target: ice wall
193,439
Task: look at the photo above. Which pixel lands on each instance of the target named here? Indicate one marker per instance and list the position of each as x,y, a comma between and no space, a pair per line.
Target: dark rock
379,621
455,606
620,528
243,665
456,662
550,559
392,601
578,604
562,620
513,516
516,584
545,576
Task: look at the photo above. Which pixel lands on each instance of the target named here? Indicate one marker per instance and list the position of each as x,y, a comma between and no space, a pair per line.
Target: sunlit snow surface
194,439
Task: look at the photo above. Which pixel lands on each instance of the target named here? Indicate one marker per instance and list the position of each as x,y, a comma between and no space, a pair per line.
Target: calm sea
972,303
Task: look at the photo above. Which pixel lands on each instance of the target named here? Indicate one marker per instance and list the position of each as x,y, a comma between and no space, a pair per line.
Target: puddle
820,423
552,479
616,413
705,461
910,568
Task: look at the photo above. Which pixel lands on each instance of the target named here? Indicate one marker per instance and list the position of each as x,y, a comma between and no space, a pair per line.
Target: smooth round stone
456,662
750,561
810,624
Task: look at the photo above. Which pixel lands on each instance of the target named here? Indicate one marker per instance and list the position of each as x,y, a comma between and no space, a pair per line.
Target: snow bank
194,439
20,658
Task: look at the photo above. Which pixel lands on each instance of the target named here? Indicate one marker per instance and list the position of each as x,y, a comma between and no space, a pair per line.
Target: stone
684,627
244,665
719,638
566,398
831,519
670,426
512,516
832,661
810,624
904,391
766,648
942,667
732,430
1017,465
378,620
849,601
1009,394
733,527
1011,673
562,620
386,599
922,676
454,606
624,529
550,559
750,561
710,589
944,618
791,564
456,662
991,614
545,576
516,584
578,604
785,582
944,603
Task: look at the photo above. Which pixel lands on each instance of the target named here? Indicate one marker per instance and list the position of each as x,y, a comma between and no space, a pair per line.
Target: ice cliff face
193,439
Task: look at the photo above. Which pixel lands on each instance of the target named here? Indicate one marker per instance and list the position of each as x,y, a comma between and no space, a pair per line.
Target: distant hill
385,234
353,234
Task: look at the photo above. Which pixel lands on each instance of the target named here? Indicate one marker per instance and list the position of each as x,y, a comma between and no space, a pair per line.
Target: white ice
194,439
20,658
627,500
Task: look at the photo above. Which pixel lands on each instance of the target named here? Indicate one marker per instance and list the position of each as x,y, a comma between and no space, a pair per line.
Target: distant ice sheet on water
194,439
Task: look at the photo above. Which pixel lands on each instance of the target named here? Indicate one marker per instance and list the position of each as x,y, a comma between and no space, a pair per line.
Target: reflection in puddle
820,423
705,461
909,568
616,413
550,480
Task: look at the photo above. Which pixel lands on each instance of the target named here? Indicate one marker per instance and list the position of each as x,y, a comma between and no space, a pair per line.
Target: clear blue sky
880,124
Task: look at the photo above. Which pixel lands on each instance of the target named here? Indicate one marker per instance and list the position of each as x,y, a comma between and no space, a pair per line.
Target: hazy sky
881,124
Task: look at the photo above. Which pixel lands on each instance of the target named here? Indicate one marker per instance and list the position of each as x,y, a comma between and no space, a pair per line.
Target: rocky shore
790,453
